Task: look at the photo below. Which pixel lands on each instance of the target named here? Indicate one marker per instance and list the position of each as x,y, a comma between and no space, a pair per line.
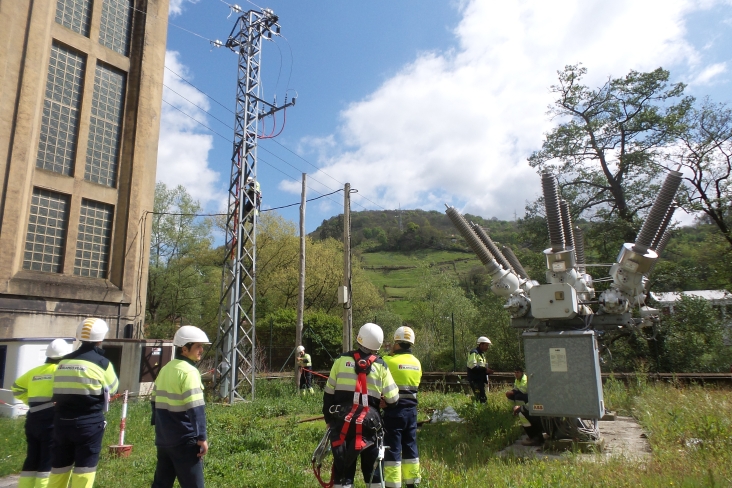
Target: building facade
80,106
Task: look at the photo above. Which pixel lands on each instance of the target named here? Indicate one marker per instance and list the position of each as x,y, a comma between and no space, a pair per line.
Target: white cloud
458,126
176,6
708,73
184,145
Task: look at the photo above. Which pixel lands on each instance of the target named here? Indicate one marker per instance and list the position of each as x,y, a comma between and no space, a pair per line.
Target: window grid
47,222
59,122
114,31
75,15
102,152
92,243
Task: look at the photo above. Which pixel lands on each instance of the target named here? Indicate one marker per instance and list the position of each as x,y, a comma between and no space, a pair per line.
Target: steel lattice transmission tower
235,343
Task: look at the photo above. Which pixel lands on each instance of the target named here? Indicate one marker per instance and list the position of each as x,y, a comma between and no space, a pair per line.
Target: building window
44,242
59,123
114,31
74,14
92,243
102,152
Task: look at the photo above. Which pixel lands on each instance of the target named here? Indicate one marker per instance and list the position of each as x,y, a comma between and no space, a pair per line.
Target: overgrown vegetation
261,444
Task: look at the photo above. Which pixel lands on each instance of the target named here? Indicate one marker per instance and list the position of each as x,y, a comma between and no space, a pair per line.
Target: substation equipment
565,326
235,367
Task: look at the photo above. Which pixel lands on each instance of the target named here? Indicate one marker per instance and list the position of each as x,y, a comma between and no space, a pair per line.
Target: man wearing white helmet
82,385
179,414
254,194
478,369
400,423
305,363
357,383
35,388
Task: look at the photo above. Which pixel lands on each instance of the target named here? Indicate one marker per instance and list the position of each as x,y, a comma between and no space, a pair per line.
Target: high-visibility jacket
477,367
521,385
407,373
83,382
35,388
341,385
305,361
179,414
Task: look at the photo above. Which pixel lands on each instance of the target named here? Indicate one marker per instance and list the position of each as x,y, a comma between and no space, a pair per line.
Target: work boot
535,441
312,392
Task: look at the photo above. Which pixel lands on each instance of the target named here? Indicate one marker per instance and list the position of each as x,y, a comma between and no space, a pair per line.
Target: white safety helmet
404,334
189,333
370,336
299,349
250,179
484,340
92,330
58,348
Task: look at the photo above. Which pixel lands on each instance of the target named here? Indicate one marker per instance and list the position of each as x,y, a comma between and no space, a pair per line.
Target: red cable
284,121
316,374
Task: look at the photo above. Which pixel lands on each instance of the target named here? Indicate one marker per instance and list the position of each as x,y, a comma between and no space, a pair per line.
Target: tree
704,148
436,300
184,274
605,150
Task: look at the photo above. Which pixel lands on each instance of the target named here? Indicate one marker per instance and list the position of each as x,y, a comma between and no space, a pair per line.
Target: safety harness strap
360,399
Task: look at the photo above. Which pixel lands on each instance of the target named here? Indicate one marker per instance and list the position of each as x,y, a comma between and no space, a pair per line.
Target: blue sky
416,102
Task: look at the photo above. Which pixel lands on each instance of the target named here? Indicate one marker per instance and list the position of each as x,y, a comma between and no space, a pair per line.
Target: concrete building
80,106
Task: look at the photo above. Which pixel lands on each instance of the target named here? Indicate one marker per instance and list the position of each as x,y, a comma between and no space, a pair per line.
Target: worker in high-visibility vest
478,369
305,362
179,414
358,382
520,391
401,461
35,388
82,385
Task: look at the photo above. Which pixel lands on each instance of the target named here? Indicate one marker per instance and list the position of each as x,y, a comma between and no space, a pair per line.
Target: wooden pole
301,291
347,309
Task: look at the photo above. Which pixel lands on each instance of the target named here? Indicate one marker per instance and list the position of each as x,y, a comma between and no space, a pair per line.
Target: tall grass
263,444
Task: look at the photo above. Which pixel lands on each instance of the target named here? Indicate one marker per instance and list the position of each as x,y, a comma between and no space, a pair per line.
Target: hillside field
396,274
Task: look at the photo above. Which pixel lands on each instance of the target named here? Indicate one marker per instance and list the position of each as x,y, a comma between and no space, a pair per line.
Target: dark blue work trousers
180,462
344,470
77,442
400,424
39,439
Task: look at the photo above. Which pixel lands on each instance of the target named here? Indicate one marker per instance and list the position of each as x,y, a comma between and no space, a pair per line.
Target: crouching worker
520,392
357,383
534,431
179,415
82,385
36,389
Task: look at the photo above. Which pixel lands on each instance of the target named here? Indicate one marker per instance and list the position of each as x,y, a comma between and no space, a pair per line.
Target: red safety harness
360,399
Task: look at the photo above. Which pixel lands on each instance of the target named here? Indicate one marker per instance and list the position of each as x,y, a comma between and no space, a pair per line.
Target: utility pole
301,291
348,302
235,341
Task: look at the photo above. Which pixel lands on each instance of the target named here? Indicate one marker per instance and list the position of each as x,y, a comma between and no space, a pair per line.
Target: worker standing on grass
305,363
520,392
400,423
357,383
478,369
82,385
35,388
179,415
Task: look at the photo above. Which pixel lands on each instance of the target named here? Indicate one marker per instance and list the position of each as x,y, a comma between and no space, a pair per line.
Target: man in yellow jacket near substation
179,414
82,386
400,423
35,388
359,381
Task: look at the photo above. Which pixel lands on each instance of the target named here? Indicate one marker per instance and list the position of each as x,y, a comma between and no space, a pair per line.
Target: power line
258,159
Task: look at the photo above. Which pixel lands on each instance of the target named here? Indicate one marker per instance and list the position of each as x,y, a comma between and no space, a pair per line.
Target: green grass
398,283
260,444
